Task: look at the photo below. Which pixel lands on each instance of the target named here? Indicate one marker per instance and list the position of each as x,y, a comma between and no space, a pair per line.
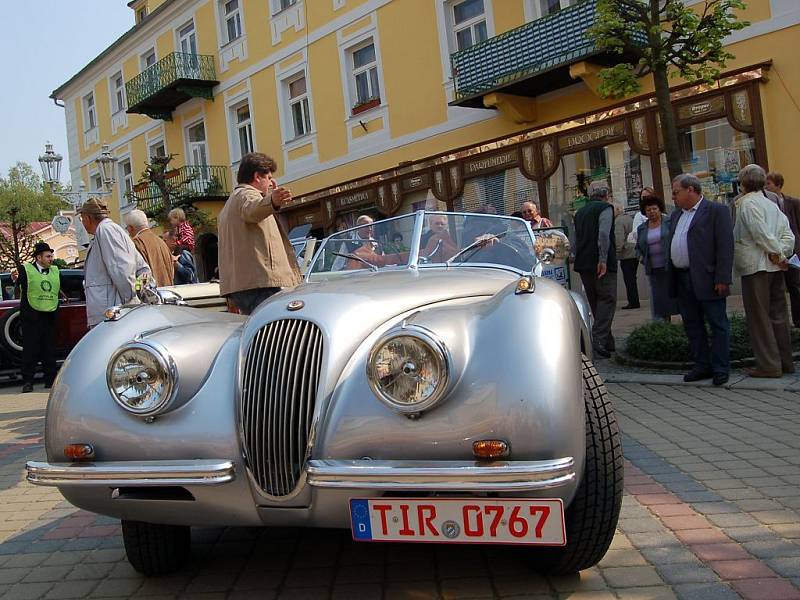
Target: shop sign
415,182
568,143
712,106
355,199
486,164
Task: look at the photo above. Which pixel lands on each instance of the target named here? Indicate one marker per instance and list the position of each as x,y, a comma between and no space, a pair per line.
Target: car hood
382,294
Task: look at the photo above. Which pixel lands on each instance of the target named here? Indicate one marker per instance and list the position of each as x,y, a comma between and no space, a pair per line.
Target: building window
187,39
298,106
126,180
141,14
89,112
365,76
96,183
148,59
157,149
550,7
233,20
117,92
469,23
244,129
279,5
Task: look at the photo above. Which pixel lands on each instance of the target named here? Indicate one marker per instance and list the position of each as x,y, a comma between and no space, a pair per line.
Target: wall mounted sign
487,164
588,137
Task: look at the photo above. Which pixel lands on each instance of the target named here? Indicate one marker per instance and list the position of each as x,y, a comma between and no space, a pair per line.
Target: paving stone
749,534
748,568
785,567
621,577
732,520
705,591
626,557
41,574
70,589
647,593
653,540
406,590
668,555
115,588
13,575
686,572
766,589
788,530
27,591
530,583
468,587
640,525
95,571
363,591
772,549
714,508
775,517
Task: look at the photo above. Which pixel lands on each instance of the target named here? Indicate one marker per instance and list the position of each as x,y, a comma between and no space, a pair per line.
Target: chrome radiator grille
279,389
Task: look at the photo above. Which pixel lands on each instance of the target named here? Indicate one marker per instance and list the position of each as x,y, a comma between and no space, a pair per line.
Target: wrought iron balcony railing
186,184
174,79
530,60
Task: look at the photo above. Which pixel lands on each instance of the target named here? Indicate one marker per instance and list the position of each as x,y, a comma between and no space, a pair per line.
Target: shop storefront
720,132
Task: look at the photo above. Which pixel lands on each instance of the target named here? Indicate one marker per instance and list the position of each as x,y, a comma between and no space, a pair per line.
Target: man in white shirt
701,261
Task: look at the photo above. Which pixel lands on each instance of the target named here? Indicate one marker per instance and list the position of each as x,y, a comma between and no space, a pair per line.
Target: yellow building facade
386,106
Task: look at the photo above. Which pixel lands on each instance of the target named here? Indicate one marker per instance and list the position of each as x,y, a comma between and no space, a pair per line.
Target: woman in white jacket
763,242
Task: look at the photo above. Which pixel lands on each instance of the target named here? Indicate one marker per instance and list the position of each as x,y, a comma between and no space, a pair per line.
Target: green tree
665,38
24,199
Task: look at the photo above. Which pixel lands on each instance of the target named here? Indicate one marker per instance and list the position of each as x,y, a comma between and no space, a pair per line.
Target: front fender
517,376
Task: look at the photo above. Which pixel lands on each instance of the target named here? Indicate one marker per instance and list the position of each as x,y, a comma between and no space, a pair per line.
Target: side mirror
169,297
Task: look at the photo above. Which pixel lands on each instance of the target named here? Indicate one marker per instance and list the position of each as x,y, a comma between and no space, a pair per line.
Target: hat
41,247
94,206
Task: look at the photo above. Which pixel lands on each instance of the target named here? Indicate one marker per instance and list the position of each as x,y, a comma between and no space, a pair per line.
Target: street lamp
51,170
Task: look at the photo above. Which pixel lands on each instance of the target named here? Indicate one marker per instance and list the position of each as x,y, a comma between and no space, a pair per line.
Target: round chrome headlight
408,370
142,378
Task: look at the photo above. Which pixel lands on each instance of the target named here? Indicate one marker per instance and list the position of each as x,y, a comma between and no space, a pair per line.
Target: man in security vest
40,285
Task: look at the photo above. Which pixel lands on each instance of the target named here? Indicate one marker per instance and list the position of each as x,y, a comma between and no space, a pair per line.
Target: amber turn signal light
488,449
79,451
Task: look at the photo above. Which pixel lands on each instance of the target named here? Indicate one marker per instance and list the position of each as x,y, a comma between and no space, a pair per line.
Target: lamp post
50,162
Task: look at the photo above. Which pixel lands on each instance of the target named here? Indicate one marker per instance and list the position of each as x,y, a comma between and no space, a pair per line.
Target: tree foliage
24,199
664,38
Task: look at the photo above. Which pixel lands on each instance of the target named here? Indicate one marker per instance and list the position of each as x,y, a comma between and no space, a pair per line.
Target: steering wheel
500,252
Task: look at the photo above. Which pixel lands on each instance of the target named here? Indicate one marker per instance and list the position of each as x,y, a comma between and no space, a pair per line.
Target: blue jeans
695,313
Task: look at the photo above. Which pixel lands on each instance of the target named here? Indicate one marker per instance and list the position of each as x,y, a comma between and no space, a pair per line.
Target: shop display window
623,170
715,152
504,191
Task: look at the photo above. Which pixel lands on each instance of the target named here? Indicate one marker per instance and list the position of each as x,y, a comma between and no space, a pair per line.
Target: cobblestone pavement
709,513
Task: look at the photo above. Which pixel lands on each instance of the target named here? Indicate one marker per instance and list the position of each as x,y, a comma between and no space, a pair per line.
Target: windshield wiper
356,257
477,243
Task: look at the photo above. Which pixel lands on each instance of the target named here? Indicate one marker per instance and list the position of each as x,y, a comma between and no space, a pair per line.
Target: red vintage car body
70,322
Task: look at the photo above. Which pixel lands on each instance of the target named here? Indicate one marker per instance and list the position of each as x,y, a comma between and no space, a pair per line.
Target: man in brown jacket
791,208
255,257
152,248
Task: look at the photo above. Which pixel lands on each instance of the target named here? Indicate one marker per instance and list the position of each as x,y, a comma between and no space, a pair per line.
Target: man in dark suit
701,255
791,208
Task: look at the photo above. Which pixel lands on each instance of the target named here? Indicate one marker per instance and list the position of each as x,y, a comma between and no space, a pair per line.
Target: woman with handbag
652,250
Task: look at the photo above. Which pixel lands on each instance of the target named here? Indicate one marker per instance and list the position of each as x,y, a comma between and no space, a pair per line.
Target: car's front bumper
129,473
466,476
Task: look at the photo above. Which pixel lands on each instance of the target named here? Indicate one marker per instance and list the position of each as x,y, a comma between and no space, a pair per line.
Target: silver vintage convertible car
423,384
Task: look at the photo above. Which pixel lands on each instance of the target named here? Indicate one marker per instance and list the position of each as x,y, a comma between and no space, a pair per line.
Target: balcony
186,185
173,80
530,60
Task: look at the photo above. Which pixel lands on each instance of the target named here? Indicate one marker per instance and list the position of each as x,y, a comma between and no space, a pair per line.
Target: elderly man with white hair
153,249
762,242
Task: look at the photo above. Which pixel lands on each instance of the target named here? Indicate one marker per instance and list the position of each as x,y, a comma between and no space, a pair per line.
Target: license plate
459,520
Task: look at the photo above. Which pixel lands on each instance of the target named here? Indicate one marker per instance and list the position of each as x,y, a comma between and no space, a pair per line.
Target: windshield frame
413,259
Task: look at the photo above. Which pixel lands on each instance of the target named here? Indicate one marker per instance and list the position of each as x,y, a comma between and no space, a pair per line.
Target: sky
43,43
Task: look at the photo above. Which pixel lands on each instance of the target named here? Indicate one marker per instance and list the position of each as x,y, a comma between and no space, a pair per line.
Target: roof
119,41
35,227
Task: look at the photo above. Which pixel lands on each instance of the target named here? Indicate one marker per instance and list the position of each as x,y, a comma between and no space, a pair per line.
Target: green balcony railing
533,49
161,87
187,184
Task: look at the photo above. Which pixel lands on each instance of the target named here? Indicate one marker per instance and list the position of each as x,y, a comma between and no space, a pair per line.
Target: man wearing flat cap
40,284
111,262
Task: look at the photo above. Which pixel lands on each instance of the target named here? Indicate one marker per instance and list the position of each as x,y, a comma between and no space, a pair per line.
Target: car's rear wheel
11,335
155,549
591,518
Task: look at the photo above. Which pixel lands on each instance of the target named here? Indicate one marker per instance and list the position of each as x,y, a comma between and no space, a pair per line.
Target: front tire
155,549
591,518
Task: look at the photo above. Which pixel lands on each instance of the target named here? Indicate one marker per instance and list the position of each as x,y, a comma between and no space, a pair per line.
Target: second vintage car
436,390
